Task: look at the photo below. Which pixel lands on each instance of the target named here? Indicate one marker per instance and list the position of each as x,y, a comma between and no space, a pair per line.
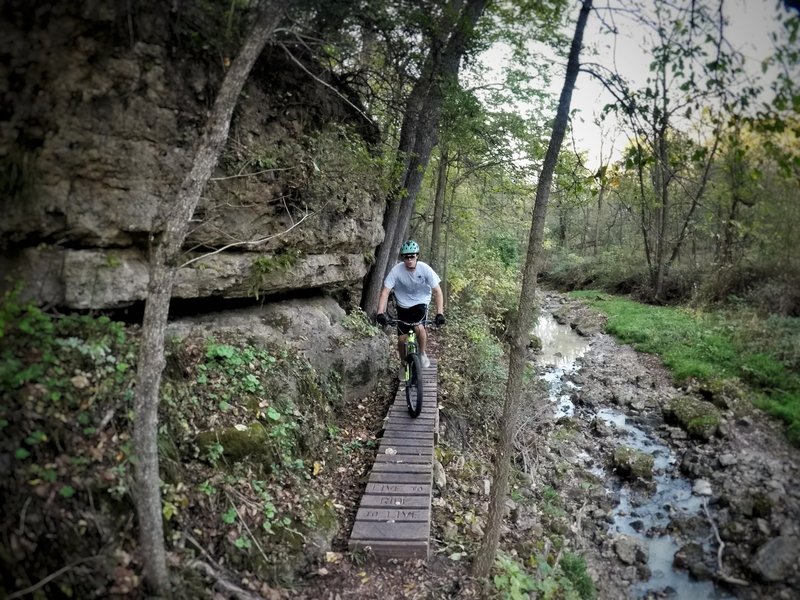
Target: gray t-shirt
412,287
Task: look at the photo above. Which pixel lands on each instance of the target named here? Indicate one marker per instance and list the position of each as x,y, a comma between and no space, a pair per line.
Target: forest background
697,209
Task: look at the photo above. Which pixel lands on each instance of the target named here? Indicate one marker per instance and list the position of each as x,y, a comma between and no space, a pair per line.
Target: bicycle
413,368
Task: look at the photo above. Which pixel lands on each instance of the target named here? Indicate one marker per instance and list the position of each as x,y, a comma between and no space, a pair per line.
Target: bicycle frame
411,341
411,348
412,372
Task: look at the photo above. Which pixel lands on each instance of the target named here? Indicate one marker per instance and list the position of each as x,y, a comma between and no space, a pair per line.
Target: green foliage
484,285
567,580
264,266
614,270
65,396
713,346
476,373
212,28
574,568
360,324
342,164
331,167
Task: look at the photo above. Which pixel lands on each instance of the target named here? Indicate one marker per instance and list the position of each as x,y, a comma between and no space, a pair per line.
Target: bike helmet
410,247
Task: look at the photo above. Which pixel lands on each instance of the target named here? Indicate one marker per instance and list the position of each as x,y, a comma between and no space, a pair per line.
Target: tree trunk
522,324
438,211
596,236
446,258
418,136
163,266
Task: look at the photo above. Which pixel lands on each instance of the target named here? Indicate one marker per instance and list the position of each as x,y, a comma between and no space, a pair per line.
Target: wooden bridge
394,517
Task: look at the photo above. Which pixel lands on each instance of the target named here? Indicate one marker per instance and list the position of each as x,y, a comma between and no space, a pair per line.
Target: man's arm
383,299
438,300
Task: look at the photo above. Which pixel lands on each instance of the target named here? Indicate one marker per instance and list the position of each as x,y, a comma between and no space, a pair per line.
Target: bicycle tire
414,389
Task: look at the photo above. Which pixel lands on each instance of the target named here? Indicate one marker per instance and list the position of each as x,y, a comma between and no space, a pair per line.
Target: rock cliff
100,113
100,107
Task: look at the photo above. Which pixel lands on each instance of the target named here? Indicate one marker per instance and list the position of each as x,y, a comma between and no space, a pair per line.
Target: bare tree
522,324
164,260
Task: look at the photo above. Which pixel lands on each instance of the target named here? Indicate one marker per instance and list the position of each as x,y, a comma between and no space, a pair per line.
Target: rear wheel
414,385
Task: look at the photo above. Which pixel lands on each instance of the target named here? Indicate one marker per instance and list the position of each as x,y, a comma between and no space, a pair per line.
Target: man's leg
401,351
422,337
401,347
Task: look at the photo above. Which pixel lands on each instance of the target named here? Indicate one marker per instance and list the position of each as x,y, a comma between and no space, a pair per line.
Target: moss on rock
698,418
632,463
238,443
727,394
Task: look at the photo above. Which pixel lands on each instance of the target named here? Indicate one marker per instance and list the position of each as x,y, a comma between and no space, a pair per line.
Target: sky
751,22
748,31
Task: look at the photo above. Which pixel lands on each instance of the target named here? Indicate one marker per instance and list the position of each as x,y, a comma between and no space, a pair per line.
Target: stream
642,514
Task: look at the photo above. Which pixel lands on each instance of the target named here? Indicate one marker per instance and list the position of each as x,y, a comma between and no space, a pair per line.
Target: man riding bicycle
413,282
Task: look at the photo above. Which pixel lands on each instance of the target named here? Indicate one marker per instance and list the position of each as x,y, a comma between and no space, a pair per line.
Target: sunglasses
407,256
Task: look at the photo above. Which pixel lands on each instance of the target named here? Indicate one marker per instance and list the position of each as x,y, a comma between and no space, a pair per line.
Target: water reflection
560,346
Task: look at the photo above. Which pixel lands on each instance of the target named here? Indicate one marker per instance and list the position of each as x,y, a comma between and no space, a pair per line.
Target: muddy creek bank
656,510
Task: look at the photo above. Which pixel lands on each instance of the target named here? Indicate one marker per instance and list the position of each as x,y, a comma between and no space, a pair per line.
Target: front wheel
414,385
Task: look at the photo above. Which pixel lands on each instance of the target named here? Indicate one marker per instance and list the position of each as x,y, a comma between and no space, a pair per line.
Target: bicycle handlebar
398,321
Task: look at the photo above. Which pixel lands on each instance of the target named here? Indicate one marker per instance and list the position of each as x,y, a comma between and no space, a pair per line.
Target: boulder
700,419
315,327
778,559
633,464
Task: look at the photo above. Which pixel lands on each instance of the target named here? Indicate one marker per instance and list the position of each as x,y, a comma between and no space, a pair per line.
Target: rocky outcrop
100,108
317,328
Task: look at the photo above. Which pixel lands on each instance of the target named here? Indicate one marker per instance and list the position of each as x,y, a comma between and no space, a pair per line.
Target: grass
715,346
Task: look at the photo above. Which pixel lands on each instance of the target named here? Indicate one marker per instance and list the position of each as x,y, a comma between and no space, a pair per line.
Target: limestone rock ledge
104,279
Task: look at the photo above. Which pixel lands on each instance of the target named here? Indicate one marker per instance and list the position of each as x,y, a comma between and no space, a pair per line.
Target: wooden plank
398,442
398,489
423,436
378,477
384,500
377,530
400,433
398,450
402,514
414,459
392,549
394,515
401,468
401,409
406,451
410,431
397,439
402,415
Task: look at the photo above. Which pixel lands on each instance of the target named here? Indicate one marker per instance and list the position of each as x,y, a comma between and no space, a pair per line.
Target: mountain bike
413,368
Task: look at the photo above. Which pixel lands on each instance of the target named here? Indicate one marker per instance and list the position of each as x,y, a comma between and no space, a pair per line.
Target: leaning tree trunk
438,212
420,129
163,266
520,330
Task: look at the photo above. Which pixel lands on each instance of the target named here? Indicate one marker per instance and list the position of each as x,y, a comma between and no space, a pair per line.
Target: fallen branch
720,574
243,521
246,243
49,578
253,174
222,584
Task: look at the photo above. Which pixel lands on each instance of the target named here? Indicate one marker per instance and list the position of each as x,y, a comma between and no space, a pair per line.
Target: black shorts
413,314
